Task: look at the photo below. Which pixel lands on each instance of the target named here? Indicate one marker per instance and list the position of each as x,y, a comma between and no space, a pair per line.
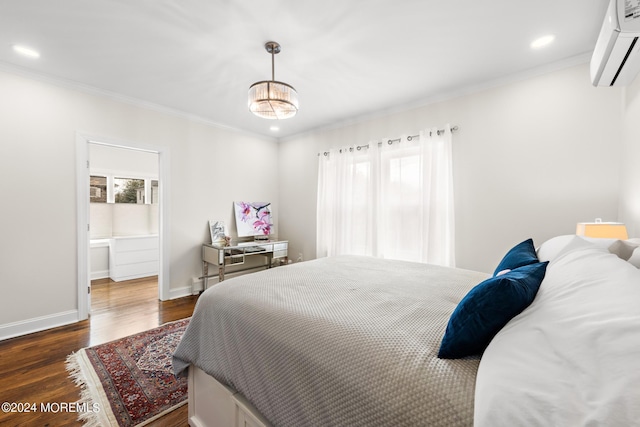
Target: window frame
111,175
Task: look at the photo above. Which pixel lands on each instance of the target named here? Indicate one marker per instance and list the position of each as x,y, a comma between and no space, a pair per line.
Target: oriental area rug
130,382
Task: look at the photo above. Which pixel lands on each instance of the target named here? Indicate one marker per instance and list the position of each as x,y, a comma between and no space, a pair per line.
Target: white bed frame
212,404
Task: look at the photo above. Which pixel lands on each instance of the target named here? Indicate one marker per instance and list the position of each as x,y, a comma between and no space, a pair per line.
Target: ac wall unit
616,57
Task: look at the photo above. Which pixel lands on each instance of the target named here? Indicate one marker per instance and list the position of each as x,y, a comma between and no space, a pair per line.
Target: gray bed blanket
339,341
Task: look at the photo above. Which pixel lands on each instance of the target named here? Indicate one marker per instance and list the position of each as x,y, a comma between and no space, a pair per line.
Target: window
359,212
402,196
388,200
128,190
107,188
154,192
98,189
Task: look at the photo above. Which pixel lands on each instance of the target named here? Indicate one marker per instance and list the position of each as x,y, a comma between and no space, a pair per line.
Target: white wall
630,188
125,161
123,219
37,188
531,159
99,260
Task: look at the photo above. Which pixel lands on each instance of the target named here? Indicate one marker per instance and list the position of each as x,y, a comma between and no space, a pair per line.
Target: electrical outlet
299,259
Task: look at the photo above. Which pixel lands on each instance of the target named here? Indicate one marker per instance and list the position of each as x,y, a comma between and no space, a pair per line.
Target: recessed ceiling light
542,41
26,51
274,128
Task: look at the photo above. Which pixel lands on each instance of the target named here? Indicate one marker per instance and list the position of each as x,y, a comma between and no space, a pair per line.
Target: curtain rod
391,141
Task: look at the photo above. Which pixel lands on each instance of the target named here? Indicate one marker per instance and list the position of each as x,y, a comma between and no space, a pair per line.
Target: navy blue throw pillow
520,255
487,308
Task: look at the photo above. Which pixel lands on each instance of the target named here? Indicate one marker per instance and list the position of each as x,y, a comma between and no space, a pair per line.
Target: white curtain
389,200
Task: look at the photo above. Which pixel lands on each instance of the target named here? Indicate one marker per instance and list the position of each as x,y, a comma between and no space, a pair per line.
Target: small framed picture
218,231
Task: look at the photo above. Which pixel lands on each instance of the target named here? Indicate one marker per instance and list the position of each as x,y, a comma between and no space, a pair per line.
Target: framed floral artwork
253,218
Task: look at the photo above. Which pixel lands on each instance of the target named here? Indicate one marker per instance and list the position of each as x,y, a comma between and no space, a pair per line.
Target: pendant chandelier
271,99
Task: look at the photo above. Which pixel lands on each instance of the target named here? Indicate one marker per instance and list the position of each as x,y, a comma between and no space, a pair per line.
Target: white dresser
132,257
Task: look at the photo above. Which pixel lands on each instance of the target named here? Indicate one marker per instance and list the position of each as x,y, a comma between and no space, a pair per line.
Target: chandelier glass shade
271,99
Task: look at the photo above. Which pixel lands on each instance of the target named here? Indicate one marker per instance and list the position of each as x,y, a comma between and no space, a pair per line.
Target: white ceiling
346,58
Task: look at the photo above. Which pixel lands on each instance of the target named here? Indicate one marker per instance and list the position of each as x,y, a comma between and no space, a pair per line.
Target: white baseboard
181,292
37,324
103,274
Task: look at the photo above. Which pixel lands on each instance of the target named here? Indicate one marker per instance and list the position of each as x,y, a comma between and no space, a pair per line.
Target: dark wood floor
32,367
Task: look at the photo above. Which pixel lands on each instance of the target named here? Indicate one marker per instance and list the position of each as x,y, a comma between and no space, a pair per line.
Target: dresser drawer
133,257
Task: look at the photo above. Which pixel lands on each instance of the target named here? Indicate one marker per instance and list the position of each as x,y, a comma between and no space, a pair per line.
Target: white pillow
571,357
599,241
552,247
623,248
635,258
556,246
579,243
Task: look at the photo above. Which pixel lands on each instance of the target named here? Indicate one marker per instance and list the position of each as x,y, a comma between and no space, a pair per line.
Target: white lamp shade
270,99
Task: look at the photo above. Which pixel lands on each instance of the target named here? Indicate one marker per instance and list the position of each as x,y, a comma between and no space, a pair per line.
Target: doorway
149,192
123,215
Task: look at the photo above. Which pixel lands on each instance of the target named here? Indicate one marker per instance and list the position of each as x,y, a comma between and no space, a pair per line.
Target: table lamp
602,230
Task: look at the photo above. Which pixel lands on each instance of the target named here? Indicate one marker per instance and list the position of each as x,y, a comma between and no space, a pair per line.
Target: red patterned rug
130,381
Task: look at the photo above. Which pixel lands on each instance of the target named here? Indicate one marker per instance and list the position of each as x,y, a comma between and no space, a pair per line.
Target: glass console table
236,254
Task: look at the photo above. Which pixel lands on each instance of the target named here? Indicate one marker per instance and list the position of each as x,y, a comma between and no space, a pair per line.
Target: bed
355,341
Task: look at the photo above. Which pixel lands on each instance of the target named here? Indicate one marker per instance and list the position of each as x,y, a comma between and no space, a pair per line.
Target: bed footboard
212,404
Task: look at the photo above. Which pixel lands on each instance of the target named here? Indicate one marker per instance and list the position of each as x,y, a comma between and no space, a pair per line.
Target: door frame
82,202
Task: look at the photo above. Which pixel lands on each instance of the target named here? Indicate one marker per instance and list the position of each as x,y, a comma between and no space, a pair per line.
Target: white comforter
573,357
